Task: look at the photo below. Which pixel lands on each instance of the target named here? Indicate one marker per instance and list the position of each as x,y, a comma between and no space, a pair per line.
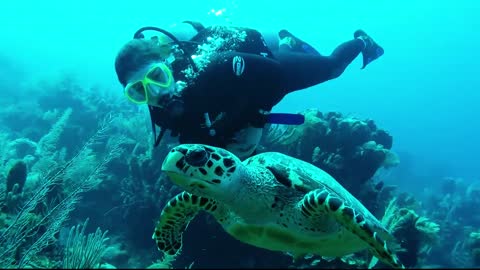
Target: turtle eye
196,157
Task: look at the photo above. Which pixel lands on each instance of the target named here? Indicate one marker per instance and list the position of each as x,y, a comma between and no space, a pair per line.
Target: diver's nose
196,157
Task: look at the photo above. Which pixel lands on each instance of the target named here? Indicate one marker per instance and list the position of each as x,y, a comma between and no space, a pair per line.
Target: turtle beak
178,179
174,162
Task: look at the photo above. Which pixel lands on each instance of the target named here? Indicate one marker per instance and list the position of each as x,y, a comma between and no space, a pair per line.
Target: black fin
372,50
300,45
196,25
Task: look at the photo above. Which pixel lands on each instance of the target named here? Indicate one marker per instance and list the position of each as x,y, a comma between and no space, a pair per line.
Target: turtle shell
305,177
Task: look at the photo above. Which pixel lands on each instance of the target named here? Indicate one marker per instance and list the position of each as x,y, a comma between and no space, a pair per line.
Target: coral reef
416,234
34,227
61,162
349,149
474,245
84,251
450,204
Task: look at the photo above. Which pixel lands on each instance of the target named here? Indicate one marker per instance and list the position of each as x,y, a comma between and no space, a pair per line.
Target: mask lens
136,93
161,75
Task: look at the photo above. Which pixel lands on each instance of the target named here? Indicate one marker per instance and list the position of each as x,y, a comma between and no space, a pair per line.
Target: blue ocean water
423,91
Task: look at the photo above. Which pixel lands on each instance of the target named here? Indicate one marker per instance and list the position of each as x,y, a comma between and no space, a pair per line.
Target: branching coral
451,205
165,263
473,193
428,229
460,255
417,234
47,145
142,185
41,156
352,261
30,231
84,251
395,217
4,140
473,244
70,93
146,187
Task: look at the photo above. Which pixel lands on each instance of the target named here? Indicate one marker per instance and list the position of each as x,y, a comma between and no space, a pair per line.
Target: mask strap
156,138
160,136
139,35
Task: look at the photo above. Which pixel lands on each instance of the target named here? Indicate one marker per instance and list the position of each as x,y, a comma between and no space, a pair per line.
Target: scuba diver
216,85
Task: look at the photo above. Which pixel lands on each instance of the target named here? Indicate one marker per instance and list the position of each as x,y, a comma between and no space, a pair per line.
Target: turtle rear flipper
322,201
175,217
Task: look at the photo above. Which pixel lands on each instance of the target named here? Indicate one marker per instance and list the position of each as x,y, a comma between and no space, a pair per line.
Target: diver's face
159,96
153,85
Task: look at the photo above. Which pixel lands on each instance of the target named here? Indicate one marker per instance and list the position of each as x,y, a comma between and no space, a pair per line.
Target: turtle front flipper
321,201
175,217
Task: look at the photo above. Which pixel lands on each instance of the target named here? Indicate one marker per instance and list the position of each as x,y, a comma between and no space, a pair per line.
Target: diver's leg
306,70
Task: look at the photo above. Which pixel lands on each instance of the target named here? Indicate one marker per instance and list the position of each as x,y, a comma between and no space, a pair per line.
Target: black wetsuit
267,76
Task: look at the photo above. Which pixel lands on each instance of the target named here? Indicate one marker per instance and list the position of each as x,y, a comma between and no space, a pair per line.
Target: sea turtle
272,201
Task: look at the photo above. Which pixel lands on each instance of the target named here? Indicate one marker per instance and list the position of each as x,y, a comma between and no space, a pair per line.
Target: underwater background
64,119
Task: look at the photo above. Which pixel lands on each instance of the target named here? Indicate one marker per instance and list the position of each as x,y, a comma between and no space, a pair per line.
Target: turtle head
202,170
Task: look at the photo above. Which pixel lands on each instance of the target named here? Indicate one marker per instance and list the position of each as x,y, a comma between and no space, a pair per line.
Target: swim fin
371,51
298,44
196,25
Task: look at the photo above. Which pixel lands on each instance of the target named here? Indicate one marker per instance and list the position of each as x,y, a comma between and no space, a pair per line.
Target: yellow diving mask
158,78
